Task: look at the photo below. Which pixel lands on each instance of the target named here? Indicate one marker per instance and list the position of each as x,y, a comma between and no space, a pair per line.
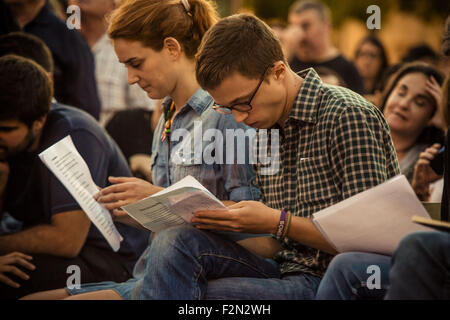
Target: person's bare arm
63,237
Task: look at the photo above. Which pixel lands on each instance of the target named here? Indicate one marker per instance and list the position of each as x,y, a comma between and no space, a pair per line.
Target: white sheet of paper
374,220
174,205
69,167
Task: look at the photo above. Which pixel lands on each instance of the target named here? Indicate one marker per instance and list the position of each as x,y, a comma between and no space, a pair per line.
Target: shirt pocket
315,180
159,171
204,173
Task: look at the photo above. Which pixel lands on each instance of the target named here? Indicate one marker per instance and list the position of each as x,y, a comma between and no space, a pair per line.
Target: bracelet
283,225
288,224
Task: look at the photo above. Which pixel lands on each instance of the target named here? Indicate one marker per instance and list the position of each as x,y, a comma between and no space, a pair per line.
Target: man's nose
240,116
132,78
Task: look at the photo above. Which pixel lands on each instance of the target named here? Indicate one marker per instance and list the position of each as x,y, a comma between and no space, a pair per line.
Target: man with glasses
333,145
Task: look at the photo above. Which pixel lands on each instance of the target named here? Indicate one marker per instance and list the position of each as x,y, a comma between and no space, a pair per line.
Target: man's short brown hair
301,6
239,43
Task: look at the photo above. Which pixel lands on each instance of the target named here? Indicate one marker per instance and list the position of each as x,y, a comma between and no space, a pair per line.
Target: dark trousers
51,272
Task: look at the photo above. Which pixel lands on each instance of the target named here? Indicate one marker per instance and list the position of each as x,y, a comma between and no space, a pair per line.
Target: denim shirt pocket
159,170
204,173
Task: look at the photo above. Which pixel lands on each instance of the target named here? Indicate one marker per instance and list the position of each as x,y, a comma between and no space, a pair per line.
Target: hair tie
186,6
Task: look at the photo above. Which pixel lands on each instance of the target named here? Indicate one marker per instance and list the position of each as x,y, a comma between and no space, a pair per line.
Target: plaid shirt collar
306,104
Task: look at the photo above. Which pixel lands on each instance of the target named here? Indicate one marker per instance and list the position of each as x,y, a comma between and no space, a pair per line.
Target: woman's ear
173,47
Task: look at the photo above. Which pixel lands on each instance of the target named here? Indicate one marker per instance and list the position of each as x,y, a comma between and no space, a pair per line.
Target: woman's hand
424,174
124,191
434,89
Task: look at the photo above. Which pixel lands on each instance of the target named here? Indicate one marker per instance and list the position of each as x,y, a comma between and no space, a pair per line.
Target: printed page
163,210
374,220
72,171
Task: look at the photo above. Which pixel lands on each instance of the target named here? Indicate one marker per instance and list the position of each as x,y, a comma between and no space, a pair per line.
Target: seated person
371,62
410,103
418,266
427,180
55,232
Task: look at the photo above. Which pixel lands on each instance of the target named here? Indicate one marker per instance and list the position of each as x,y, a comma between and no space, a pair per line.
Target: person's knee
342,263
421,244
174,237
413,244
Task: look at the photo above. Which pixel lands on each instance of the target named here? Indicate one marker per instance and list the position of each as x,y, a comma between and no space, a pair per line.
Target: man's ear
279,70
38,124
173,47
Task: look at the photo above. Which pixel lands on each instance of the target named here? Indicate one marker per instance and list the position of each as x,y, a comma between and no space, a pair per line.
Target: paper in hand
69,167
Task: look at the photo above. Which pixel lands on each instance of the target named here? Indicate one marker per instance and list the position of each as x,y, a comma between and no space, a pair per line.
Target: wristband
282,225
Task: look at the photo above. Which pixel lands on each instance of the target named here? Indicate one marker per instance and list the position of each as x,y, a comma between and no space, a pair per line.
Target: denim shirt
234,181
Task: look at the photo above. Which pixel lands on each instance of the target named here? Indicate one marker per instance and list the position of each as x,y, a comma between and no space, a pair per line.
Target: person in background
74,79
423,53
371,61
314,47
328,76
411,100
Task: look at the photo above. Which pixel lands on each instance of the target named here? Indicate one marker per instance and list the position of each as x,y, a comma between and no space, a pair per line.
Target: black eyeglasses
241,106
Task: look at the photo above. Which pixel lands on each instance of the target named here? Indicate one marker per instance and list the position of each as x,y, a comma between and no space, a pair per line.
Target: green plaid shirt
334,145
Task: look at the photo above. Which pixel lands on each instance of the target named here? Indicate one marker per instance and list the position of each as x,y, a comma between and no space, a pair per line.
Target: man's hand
7,265
245,216
123,191
424,174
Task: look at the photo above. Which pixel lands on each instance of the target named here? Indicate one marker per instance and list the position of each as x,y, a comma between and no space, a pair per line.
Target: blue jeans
187,263
421,267
350,277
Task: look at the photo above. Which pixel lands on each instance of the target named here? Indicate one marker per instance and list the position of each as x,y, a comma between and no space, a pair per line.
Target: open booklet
64,160
374,220
176,205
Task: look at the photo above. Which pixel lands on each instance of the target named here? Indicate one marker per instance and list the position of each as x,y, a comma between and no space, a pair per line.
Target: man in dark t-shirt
74,63
55,231
315,48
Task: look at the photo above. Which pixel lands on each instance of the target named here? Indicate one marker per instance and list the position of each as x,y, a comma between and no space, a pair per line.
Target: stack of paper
374,220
